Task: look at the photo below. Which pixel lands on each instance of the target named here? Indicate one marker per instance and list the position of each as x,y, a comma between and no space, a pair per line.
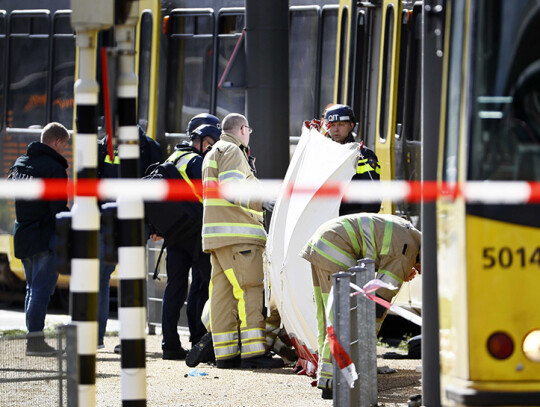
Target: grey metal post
367,365
342,320
72,365
432,67
267,93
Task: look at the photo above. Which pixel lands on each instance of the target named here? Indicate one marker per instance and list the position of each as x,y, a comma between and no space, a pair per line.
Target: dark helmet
339,113
205,130
200,119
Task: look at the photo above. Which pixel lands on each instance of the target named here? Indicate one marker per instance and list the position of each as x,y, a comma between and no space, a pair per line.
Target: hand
268,205
155,237
411,276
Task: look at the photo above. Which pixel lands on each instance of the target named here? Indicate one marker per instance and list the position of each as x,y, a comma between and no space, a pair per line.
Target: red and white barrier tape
487,192
341,357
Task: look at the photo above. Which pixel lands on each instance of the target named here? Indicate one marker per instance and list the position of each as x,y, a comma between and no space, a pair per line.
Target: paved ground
172,383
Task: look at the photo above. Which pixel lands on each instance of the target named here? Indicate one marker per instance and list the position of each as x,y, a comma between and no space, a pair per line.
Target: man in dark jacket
34,229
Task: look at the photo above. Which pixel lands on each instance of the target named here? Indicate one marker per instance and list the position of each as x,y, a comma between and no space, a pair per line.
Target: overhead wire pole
131,250
87,19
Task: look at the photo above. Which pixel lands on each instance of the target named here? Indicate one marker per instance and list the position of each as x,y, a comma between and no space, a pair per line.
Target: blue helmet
205,130
339,113
200,119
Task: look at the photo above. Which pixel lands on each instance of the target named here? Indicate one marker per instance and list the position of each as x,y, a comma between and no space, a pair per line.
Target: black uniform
183,255
367,169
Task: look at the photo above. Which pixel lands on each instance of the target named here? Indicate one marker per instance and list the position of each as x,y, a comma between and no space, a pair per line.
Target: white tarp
316,160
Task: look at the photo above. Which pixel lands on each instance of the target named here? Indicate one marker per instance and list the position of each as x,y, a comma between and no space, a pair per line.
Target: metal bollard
367,340
342,328
354,325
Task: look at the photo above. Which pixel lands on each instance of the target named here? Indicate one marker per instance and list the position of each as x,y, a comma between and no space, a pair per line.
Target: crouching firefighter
337,245
183,242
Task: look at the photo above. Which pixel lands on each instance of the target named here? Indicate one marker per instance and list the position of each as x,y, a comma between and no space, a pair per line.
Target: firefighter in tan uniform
394,244
234,235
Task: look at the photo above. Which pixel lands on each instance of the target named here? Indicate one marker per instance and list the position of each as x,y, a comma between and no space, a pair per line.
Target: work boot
233,363
262,362
178,354
327,394
201,352
36,346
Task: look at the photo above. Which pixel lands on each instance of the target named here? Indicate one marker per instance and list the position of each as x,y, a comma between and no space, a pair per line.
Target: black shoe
233,363
201,352
36,346
262,362
179,354
118,348
327,394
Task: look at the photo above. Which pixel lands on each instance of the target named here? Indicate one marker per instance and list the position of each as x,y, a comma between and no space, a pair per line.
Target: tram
369,55
489,254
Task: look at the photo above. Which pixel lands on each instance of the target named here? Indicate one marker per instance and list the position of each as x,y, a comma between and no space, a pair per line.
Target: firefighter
186,254
234,235
341,125
394,244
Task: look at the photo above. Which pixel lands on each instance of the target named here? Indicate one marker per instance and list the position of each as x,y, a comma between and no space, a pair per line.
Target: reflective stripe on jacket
181,160
226,223
390,240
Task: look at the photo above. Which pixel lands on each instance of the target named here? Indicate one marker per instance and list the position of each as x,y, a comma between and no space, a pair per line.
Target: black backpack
177,221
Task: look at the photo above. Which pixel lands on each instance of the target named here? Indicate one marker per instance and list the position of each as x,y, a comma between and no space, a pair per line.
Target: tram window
304,25
343,46
145,58
386,72
231,96
2,63
505,139
28,70
413,81
453,100
360,72
328,56
189,76
63,73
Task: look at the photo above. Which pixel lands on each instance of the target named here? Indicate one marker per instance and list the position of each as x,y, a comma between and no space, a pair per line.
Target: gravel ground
168,382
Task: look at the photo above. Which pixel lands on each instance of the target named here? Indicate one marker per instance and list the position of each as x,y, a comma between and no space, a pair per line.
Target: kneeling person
337,245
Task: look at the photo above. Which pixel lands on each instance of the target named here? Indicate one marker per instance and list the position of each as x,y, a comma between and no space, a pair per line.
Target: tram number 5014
506,257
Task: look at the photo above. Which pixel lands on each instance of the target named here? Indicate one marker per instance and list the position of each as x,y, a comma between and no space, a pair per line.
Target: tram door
489,254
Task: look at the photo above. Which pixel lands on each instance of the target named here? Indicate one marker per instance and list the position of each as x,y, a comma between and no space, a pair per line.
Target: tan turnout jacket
227,223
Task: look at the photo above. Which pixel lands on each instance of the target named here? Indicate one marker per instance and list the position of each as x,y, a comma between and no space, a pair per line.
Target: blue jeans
41,278
105,271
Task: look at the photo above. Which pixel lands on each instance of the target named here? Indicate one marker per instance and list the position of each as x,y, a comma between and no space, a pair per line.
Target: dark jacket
150,153
367,169
35,223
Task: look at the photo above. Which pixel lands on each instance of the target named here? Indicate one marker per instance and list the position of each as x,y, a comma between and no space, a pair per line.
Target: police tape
342,358
373,285
486,192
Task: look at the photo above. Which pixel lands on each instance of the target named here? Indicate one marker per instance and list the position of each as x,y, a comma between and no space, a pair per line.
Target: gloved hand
268,205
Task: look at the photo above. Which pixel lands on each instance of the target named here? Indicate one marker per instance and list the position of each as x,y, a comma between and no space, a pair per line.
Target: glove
268,205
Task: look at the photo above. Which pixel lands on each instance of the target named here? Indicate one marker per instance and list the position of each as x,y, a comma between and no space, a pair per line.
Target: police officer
108,167
234,234
342,123
182,254
391,241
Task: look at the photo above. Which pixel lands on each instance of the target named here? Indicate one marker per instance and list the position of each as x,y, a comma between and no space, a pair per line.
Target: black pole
267,101
433,23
